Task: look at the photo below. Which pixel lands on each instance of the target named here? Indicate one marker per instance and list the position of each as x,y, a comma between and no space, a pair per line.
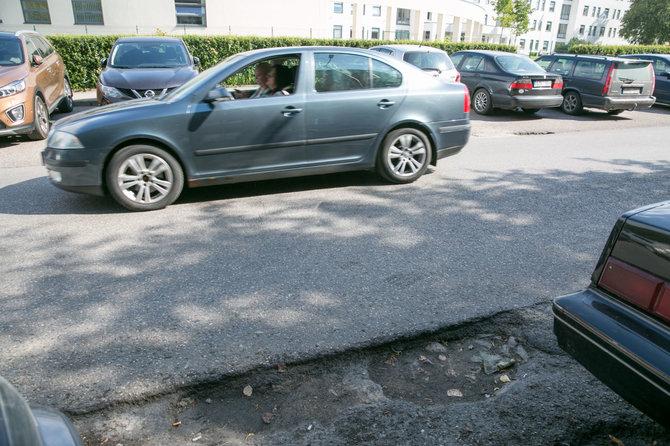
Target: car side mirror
218,94
666,74
37,59
103,62
196,61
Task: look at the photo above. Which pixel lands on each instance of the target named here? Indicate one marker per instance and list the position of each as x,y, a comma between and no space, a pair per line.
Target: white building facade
551,22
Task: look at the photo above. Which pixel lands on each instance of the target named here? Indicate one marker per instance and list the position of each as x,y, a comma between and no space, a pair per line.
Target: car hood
146,78
73,122
11,74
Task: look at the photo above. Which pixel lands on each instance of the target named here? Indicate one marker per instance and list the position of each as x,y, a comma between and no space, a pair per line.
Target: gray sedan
259,115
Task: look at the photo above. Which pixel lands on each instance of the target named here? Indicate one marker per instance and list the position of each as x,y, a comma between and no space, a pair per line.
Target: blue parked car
305,111
661,64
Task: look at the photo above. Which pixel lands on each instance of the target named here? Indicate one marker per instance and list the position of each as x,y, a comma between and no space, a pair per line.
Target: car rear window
429,61
11,53
519,64
632,72
149,55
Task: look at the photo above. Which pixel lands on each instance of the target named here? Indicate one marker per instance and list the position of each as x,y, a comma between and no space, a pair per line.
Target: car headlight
63,140
13,88
111,92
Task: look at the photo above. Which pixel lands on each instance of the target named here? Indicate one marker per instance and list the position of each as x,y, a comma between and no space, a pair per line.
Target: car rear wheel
40,119
404,156
144,178
572,103
481,102
66,105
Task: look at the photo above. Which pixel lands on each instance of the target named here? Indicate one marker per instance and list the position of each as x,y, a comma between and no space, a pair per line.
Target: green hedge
616,50
82,54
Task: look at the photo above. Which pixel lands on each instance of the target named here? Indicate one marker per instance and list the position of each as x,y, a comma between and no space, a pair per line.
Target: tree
647,22
513,14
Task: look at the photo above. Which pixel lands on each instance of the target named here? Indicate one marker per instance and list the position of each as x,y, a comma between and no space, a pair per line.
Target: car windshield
625,72
185,89
519,64
429,61
11,53
149,55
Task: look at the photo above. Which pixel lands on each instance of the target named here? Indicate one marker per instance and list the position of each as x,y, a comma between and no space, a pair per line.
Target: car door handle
290,111
385,103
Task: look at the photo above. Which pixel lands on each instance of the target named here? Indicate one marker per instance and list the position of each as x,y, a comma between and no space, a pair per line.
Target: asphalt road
101,305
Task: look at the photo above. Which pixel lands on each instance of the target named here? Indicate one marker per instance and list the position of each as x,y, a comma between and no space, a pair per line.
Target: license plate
542,84
630,91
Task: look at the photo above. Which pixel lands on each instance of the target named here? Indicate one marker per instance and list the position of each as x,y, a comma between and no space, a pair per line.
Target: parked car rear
33,84
508,81
433,60
619,327
661,64
613,84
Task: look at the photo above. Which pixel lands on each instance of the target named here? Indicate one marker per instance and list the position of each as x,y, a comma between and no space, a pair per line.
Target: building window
377,11
590,30
586,10
565,12
598,12
562,30
618,14
614,32
607,13
545,45
552,6
548,26
337,31
544,3
593,13
429,16
403,16
602,31
534,25
522,43
401,35
35,11
462,37
190,12
609,32
426,35
581,30
374,34
87,12
338,7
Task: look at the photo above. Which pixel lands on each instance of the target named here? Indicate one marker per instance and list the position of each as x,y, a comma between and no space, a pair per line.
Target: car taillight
458,77
466,99
640,288
653,79
608,82
558,85
521,84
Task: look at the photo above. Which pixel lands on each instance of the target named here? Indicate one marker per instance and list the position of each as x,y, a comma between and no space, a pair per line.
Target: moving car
428,58
508,81
613,84
23,425
661,64
337,109
140,67
619,327
33,83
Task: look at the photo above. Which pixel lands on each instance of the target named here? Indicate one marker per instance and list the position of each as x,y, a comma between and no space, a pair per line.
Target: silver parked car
305,111
428,58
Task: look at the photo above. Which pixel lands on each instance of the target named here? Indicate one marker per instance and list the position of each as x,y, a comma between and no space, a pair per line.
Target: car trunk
635,267
537,85
630,79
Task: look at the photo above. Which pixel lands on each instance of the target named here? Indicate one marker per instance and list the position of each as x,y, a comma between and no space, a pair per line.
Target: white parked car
427,58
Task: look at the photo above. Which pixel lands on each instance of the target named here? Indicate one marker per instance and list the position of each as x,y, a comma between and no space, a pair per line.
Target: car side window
589,69
660,66
44,46
456,58
343,72
562,66
474,62
544,62
31,46
251,81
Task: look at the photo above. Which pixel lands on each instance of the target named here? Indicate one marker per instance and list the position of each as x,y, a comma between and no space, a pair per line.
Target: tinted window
473,62
661,66
562,66
544,62
518,64
44,46
149,55
342,72
589,69
31,46
456,58
631,72
11,52
424,60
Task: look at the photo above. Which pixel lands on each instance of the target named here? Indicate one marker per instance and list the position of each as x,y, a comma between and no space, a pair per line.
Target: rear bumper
530,102
620,103
622,347
452,137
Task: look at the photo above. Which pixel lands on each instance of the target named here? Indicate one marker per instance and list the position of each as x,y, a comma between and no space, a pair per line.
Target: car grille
132,93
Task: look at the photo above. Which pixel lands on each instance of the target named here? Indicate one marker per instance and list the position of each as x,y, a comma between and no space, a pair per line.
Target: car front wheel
572,103
40,119
481,102
66,105
404,156
144,178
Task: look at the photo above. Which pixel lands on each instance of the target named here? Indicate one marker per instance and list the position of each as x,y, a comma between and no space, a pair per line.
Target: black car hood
146,78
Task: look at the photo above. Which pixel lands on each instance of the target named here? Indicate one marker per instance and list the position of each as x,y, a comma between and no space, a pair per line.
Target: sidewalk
84,98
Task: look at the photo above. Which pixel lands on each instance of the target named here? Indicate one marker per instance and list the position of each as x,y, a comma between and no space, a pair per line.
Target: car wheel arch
146,142
416,126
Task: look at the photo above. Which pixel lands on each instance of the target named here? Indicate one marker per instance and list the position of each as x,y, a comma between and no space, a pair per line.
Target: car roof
489,52
662,56
408,47
17,34
590,56
147,39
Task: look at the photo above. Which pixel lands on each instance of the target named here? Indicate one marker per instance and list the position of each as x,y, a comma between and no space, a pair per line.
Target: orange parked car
33,83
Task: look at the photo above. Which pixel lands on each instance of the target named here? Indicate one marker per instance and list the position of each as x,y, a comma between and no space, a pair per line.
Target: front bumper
622,347
73,170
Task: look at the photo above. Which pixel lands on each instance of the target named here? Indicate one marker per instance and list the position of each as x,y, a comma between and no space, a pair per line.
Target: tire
40,119
66,105
481,102
404,156
614,112
144,178
572,103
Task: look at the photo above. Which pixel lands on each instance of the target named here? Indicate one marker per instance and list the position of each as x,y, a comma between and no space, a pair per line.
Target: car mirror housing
103,62
196,61
37,59
218,94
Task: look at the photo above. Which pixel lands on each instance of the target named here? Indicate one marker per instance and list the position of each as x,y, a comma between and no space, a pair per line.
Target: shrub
616,50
